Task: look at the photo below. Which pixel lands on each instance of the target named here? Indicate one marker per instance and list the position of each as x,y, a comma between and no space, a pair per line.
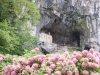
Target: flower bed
78,63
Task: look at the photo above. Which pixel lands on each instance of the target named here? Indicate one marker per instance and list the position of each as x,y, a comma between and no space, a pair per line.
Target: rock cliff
71,22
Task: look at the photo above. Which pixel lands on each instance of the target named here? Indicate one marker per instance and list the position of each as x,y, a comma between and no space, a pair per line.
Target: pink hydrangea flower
45,74
70,63
30,59
13,73
84,52
92,73
51,59
52,66
49,71
69,72
27,68
1,58
89,64
85,72
8,68
50,62
43,64
85,60
66,53
37,49
97,60
40,60
61,59
77,72
57,56
34,50
94,65
19,74
74,60
90,55
35,57
58,73
77,55
17,68
64,71
22,60
8,73
35,65
91,50
84,65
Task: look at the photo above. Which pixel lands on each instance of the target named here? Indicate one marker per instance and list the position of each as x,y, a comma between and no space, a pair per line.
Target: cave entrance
76,37
62,37
57,37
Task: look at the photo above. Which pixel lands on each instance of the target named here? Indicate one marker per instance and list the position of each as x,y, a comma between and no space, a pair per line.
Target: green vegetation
14,31
8,40
71,49
79,23
79,27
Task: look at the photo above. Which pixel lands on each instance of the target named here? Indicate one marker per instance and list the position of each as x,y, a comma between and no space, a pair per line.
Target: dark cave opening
76,37
71,39
58,38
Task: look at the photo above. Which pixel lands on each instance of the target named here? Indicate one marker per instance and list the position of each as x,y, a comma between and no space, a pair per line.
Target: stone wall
45,37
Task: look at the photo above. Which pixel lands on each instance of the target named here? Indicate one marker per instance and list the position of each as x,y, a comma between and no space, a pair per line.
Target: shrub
78,63
8,40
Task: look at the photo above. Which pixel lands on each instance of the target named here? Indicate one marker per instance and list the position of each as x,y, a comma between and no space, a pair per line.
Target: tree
14,15
8,40
15,10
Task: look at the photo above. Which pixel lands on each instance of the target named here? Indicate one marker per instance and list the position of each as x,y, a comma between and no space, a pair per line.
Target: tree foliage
79,23
8,40
14,31
15,10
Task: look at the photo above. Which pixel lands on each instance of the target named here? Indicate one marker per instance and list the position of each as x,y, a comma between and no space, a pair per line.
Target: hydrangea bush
35,63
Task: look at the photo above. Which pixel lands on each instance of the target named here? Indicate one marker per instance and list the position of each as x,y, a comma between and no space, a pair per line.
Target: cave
76,37
60,28
63,38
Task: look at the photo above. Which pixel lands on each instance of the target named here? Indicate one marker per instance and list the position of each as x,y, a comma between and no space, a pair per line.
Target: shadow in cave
64,40
76,37
58,38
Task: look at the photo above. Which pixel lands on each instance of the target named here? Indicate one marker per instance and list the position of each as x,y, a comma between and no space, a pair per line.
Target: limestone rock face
46,48
59,16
